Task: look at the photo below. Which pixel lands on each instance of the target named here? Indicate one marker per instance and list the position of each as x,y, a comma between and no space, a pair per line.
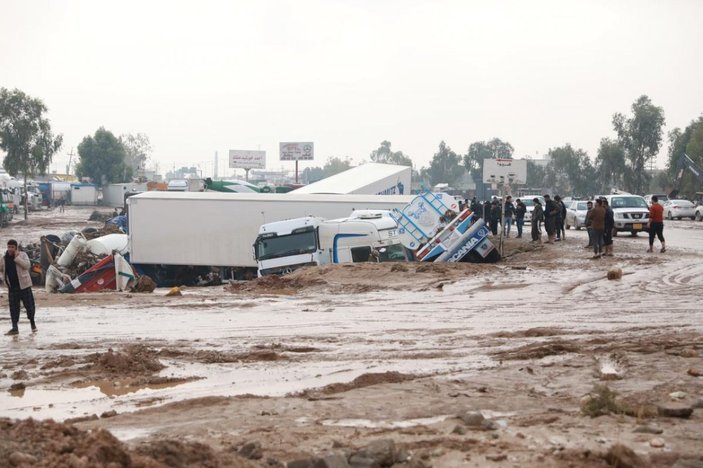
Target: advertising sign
296,151
513,171
245,159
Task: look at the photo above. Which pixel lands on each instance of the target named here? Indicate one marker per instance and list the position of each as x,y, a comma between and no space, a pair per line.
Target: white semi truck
285,246
172,233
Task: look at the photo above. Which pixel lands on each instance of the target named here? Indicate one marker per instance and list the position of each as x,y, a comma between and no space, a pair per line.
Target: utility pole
68,166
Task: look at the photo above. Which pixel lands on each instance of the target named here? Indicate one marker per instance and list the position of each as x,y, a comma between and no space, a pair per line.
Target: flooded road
438,330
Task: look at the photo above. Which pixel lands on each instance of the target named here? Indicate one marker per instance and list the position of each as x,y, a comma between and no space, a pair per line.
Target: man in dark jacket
537,218
609,227
550,217
495,217
520,210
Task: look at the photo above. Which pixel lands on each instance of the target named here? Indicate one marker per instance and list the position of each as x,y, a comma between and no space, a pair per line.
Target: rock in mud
144,285
108,414
377,453
674,410
657,443
251,450
21,459
615,273
623,457
327,461
648,430
174,291
695,372
475,420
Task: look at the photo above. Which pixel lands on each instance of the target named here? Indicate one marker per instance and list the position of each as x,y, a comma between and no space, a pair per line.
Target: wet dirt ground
539,360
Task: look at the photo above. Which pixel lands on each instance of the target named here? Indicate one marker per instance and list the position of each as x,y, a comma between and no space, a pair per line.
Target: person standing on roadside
550,216
537,218
597,219
609,226
509,213
656,224
589,207
495,217
559,218
520,210
14,272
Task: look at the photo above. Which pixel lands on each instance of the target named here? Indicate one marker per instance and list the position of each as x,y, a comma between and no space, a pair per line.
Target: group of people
493,214
600,221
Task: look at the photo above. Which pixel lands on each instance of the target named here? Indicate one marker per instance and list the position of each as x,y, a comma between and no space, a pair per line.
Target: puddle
112,388
130,433
382,424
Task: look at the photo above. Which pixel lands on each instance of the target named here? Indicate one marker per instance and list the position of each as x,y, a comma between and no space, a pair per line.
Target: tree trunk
26,196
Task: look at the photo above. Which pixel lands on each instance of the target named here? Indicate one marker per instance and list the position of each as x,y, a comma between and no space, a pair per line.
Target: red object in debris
99,276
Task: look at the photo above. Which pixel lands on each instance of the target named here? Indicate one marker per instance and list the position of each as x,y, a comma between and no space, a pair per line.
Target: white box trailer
219,229
84,194
369,178
113,194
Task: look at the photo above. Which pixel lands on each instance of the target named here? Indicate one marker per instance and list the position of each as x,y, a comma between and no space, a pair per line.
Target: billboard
296,151
245,159
505,171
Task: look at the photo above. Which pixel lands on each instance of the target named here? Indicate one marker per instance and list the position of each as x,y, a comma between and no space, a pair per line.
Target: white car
630,212
699,213
679,209
576,214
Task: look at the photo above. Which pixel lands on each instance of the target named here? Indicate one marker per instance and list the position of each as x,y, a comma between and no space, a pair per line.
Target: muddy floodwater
539,360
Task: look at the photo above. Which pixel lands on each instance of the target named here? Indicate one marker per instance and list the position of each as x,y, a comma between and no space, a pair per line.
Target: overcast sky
199,77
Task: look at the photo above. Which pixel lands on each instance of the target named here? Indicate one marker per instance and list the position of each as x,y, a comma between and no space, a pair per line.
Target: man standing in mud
609,227
14,272
597,219
550,218
537,217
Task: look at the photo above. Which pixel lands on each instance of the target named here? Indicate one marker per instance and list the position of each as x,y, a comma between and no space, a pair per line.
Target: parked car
576,214
661,198
679,209
630,212
530,205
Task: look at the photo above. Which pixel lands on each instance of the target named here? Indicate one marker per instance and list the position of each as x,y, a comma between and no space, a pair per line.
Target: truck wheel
699,217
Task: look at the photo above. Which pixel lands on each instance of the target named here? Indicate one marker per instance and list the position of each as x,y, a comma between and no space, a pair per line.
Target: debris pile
89,260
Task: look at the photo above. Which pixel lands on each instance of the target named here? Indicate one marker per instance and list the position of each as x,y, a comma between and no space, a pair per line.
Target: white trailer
84,194
219,229
369,178
113,194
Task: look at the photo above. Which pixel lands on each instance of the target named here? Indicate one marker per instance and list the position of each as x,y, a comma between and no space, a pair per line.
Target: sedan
679,209
576,214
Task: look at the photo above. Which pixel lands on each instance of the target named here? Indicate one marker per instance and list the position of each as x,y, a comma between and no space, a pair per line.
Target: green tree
535,175
25,135
102,159
137,149
610,165
690,141
480,150
640,136
445,167
335,165
385,155
570,172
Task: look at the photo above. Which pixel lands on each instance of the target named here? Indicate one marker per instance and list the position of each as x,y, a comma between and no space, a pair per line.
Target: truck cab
285,246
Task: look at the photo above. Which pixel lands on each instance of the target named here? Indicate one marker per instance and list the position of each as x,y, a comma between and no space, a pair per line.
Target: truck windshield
283,246
628,202
392,253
